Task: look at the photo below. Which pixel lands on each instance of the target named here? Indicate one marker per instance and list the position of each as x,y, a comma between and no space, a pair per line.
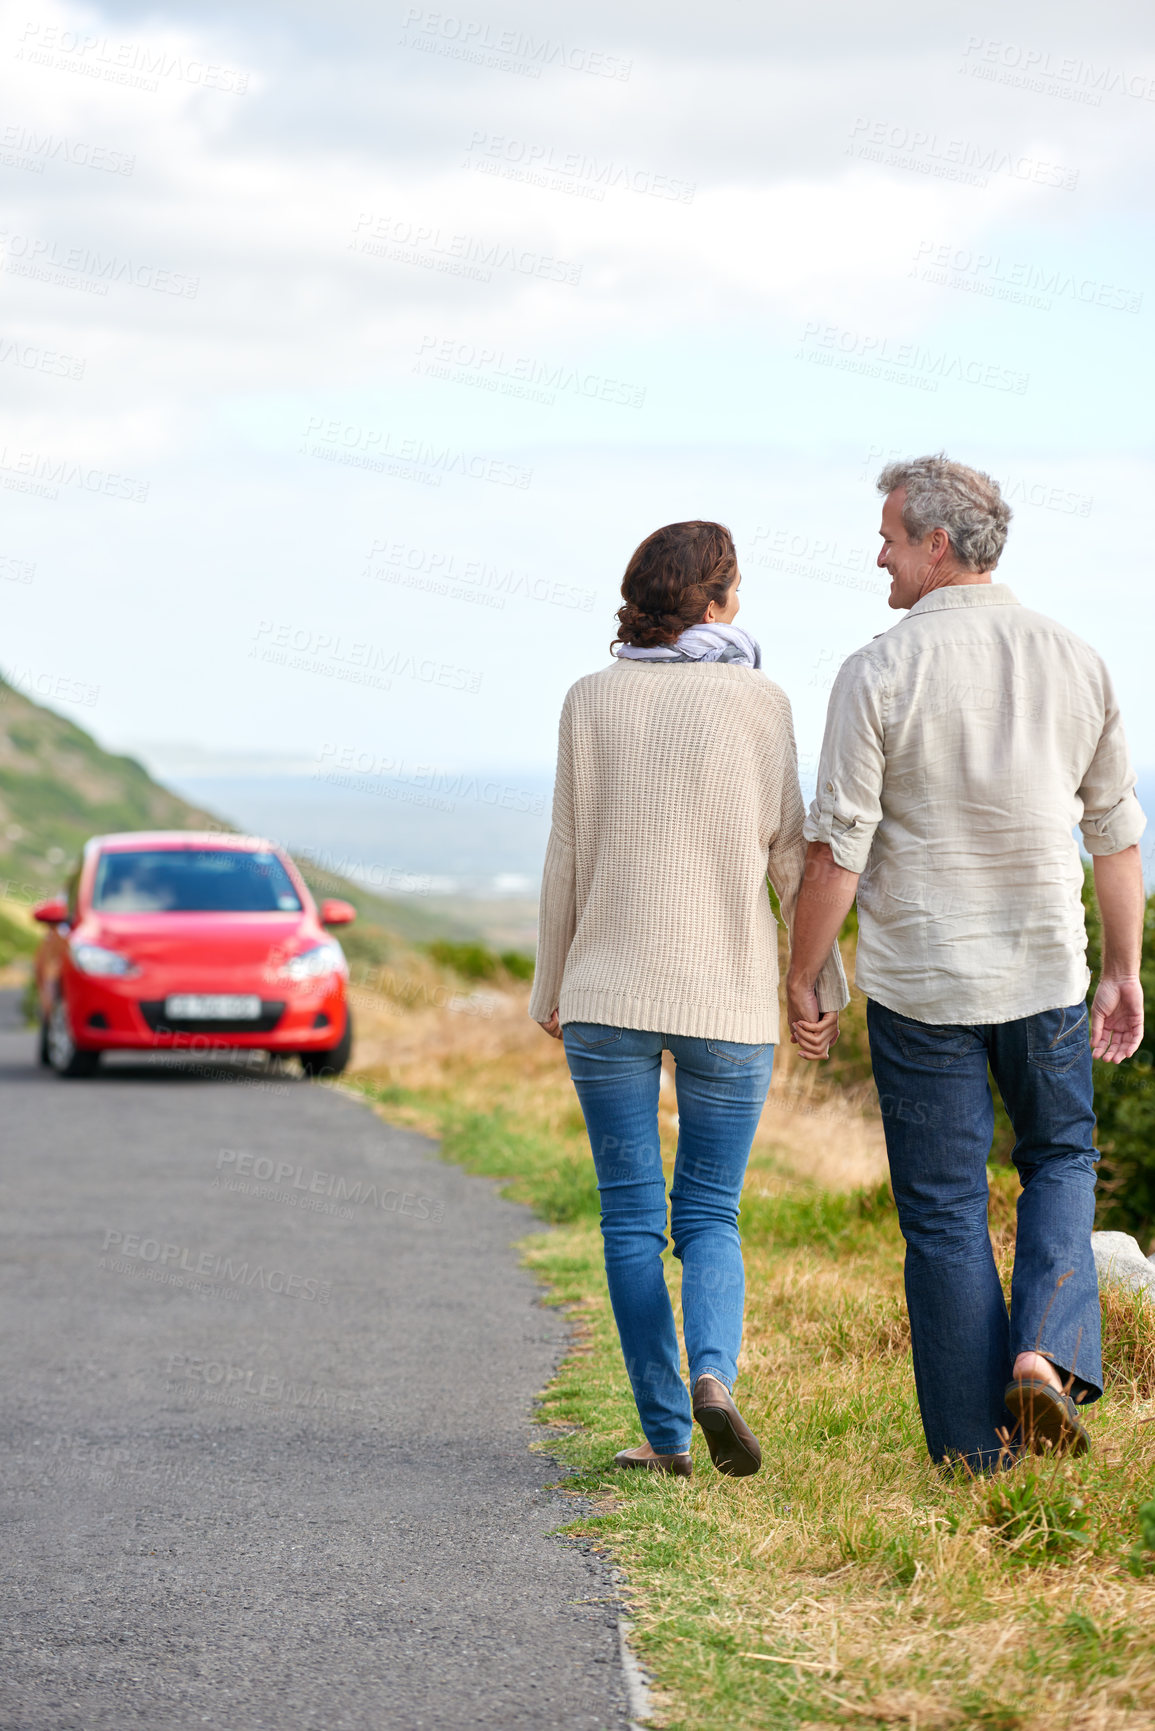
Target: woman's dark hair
671,580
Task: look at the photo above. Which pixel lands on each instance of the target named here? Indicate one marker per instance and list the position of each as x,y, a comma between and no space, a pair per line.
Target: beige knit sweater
677,795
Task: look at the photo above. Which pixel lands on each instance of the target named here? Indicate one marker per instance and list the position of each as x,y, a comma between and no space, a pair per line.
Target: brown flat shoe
732,1444
1049,1419
644,1459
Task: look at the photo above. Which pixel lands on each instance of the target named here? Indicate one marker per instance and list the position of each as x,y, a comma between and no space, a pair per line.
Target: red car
169,940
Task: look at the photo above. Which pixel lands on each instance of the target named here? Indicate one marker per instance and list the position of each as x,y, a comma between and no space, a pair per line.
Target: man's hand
552,1027
811,1031
1117,1011
1117,1019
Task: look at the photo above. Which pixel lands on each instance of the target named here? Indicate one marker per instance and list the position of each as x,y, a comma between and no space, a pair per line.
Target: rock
1120,1262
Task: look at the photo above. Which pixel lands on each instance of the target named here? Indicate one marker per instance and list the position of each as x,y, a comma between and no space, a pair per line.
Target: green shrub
471,961
476,962
15,940
1125,1100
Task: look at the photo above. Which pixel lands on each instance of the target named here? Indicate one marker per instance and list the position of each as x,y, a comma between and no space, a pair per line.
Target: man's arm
825,899
1117,1012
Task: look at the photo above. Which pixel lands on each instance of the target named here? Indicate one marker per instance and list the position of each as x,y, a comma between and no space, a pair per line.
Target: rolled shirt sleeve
1112,816
847,805
785,866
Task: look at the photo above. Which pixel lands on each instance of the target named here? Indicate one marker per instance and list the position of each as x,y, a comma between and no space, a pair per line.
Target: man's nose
881,560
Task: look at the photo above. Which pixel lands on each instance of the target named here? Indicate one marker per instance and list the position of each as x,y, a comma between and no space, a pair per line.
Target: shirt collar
965,595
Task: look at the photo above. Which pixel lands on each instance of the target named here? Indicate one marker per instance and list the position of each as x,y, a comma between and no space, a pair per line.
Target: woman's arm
557,911
786,867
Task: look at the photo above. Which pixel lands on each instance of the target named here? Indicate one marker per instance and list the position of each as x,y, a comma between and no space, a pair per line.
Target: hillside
58,787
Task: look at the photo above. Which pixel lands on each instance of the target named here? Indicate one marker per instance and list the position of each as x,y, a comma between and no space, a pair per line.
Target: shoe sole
654,1467
727,1450
1044,1420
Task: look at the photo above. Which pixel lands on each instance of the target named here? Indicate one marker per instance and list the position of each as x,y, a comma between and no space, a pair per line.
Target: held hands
811,1031
552,1027
1117,1019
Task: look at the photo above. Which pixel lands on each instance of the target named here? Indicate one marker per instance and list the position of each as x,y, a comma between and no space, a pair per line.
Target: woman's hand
552,1027
814,1039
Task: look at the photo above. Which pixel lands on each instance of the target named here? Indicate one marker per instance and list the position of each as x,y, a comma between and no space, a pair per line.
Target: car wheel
334,1059
63,1054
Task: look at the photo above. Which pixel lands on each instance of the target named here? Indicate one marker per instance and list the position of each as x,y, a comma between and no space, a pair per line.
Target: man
961,748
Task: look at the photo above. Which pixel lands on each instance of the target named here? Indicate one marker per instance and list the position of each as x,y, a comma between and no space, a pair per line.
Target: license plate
212,1007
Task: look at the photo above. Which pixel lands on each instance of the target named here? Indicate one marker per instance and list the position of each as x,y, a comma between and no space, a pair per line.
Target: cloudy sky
348,350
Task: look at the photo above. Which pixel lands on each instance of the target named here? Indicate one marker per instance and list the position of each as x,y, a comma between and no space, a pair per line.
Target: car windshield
193,880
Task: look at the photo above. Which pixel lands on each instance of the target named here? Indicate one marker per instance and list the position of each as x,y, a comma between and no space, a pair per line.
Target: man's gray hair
945,495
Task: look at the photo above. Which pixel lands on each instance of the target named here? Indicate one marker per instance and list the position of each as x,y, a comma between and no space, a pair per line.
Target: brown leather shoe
1049,1420
644,1458
732,1444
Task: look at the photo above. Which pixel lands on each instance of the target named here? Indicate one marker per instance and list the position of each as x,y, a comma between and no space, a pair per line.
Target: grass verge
850,1582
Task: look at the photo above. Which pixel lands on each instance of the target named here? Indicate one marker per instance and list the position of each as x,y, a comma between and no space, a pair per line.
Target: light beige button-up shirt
962,746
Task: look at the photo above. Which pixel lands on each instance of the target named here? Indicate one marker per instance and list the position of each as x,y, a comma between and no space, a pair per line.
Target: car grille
152,1009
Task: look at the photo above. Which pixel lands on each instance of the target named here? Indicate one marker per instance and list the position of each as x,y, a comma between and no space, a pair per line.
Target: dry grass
421,1030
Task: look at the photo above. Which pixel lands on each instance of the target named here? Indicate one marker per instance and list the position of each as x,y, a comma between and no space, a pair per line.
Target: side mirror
53,912
335,913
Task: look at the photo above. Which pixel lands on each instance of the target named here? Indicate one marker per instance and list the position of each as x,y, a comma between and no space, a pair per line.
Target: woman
677,795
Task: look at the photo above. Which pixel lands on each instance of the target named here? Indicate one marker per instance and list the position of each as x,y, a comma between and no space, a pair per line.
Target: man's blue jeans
939,1119
721,1089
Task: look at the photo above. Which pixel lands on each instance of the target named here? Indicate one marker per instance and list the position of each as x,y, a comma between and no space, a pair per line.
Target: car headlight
314,964
94,959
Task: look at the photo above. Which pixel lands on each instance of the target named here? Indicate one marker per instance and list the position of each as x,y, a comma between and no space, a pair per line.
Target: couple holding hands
962,746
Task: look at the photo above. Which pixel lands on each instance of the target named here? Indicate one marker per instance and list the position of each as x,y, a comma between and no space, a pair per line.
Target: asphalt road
265,1464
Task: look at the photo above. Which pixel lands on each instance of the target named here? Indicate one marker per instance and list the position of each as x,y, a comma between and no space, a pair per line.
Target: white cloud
731,217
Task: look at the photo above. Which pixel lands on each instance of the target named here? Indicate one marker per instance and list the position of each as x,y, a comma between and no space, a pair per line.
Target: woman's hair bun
671,580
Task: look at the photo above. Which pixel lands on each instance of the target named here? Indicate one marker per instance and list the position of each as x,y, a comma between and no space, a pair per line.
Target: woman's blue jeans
939,1118
721,1089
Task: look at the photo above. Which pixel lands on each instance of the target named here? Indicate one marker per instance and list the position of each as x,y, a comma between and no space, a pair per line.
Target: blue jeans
721,1089
939,1118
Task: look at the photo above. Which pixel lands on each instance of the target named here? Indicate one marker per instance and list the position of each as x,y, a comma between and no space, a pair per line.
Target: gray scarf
712,642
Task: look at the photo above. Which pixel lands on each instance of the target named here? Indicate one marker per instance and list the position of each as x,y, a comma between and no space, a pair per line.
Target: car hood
231,938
